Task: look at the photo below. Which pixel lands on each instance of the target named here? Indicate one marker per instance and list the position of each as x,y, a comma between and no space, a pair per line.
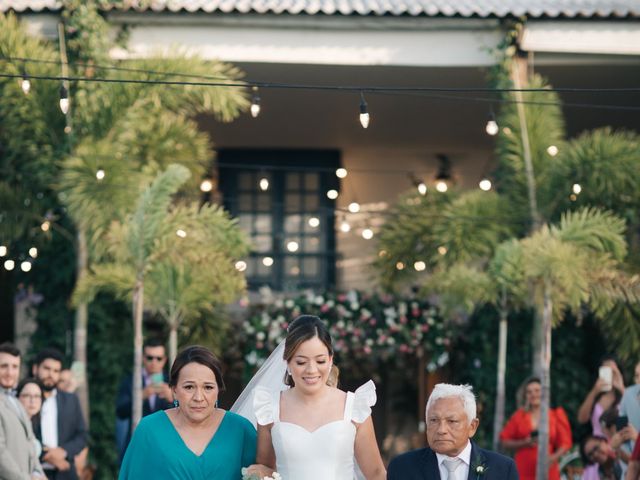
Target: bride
312,430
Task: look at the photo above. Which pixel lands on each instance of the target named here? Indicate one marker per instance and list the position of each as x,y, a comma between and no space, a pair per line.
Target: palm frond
117,278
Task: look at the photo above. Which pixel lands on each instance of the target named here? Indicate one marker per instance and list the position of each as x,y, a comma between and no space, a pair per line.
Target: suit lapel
430,470
477,458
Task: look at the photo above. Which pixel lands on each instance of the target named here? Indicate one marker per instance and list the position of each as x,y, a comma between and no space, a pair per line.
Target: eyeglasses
30,397
151,358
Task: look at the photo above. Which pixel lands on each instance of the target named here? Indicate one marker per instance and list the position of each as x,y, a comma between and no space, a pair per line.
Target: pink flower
372,321
367,349
424,327
324,308
404,348
259,345
403,320
342,298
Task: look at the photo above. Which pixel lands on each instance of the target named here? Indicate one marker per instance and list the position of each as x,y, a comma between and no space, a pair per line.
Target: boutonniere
479,467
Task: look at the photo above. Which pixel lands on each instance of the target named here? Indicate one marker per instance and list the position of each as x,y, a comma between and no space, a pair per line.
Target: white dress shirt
462,472
49,424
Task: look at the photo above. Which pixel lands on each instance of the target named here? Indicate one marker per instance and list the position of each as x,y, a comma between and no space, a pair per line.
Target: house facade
277,172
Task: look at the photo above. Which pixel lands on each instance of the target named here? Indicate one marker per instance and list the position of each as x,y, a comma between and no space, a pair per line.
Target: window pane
311,203
293,181
263,202
263,223
245,181
312,244
262,243
252,267
292,266
293,202
292,223
311,181
245,222
311,267
244,202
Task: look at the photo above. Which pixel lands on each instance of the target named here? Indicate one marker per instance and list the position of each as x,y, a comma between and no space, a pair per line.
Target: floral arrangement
372,327
252,476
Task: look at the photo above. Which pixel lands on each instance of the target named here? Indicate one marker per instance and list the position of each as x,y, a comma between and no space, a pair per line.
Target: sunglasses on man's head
151,358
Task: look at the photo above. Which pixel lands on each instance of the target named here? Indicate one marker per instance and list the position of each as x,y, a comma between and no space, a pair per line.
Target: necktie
451,466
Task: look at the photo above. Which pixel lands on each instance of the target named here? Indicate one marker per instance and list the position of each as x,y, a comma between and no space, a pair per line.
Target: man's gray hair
462,392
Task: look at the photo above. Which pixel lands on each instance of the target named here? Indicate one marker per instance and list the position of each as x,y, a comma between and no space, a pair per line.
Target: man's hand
57,457
164,391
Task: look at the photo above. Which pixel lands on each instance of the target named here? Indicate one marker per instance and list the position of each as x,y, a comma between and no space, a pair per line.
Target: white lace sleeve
364,398
263,405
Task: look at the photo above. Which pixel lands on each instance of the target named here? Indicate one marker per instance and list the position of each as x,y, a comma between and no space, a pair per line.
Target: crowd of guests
42,427
43,433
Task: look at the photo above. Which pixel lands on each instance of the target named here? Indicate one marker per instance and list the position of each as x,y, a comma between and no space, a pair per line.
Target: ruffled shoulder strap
359,403
266,405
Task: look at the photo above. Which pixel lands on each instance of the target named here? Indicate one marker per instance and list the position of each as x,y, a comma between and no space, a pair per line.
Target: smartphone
606,374
157,378
621,422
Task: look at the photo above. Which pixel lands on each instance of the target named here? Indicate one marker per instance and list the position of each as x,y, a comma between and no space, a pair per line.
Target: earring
288,371
216,405
176,403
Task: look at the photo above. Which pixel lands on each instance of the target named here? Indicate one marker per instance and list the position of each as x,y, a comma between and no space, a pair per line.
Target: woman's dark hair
196,354
304,328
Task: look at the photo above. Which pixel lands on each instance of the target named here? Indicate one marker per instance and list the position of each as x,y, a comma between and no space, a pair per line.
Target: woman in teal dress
195,440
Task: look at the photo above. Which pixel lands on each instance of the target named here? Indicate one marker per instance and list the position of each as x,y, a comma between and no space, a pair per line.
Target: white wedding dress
327,453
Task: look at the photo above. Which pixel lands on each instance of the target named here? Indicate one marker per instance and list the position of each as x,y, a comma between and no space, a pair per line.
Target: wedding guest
30,393
630,403
451,454
195,439
595,449
602,396
520,434
313,430
18,456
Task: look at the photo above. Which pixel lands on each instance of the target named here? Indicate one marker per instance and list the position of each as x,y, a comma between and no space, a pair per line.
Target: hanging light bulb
332,194
267,261
492,126
3,250
485,184
293,246
422,188
181,233
400,266
314,222
25,83
46,225
367,234
341,172
241,265
264,184
25,266
354,207
364,113
100,174
9,265
552,150
33,252
576,188
420,266
255,103
64,99
345,227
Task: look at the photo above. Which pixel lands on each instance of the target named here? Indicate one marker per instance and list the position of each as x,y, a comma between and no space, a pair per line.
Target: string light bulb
552,150
46,225
345,227
25,266
3,250
241,265
25,83
64,99
485,184
9,265
576,188
341,172
255,103
314,222
332,194
422,188
443,178
267,261
492,127
367,234
364,112
206,185
293,246
181,233
100,174
264,184
420,266
33,252
354,207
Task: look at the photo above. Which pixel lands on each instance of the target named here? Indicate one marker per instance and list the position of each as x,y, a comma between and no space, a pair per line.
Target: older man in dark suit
451,455
63,430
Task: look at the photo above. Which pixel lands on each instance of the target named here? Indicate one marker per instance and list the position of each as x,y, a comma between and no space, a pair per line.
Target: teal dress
158,452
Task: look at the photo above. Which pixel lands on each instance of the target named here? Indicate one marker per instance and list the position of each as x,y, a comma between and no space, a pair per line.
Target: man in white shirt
18,458
63,430
451,455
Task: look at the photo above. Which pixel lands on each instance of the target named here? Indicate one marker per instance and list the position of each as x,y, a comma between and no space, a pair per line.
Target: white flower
369,342
252,358
340,324
289,303
318,300
260,336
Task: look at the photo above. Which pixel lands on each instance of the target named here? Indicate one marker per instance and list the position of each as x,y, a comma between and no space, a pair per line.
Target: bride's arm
265,455
367,452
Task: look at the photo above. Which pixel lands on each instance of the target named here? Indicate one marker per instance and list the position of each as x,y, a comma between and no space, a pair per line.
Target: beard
48,387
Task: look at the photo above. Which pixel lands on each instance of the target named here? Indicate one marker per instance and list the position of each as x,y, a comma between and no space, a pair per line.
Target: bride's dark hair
304,328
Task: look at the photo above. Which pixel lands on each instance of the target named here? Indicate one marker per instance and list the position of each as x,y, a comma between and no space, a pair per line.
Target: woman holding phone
521,434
